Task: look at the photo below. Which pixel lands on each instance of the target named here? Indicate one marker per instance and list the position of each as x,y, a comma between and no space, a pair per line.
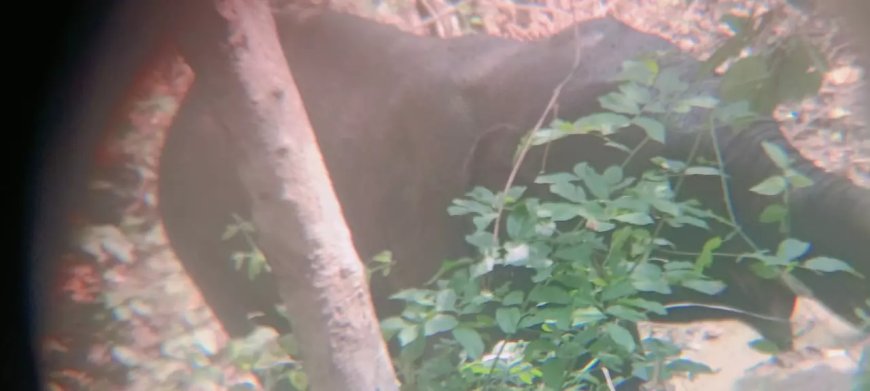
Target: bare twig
527,143
607,378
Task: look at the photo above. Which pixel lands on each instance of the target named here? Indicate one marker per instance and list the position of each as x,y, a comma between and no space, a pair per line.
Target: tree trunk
233,47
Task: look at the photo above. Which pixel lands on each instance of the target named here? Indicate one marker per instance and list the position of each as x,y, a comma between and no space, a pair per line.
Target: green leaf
482,222
616,290
439,323
482,194
255,266
625,313
547,135
658,286
710,287
621,336
560,124
705,259
791,249
558,211
612,175
654,129
470,341
393,323
445,300
518,226
694,221
230,231
549,294
666,206
419,296
647,271
553,372
643,71
698,170
669,82
825,264
770,186
481,240
635,92
559,177
635,218
764,270
662,242
619,103
581,170
773,213
605,123
628,204
507,319
384,257
596,184
578,253
648,305
568,191
408,334
413,350
513,298
514,193
586,315
685,105
798,180
553,316
482,267
776,154
462,207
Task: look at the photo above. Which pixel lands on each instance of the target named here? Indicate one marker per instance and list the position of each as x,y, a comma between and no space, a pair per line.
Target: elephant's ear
491,159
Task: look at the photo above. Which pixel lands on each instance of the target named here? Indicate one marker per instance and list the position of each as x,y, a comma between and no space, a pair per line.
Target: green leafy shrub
558,290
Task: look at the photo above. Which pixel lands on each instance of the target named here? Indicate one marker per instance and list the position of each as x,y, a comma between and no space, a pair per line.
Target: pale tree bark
233,47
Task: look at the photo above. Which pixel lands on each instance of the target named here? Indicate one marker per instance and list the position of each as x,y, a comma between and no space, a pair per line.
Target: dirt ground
827,354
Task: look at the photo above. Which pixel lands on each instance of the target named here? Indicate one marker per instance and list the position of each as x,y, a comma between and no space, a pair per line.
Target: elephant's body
833,215
397,117
407,123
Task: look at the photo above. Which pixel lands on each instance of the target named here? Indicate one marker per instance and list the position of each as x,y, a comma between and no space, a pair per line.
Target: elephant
406,123
426,109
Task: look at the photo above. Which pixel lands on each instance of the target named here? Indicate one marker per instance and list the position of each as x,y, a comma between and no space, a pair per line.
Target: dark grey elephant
407,123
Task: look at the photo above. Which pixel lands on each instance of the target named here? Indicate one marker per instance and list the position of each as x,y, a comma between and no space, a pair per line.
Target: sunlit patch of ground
826,356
